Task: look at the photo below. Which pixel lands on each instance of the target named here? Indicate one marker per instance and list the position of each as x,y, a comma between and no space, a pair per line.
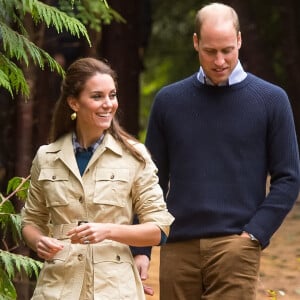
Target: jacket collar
64,144
110,142
64,149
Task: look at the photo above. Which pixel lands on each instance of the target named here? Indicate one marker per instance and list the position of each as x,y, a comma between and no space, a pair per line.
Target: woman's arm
146,234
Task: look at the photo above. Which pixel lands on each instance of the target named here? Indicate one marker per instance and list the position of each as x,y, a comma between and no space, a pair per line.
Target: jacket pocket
55,185
112,187
52,279
114,274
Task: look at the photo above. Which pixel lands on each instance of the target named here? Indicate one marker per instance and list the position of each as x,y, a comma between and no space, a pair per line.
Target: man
215,136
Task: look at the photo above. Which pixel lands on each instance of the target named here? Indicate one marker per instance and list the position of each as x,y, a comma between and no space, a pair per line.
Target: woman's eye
113,95
96,97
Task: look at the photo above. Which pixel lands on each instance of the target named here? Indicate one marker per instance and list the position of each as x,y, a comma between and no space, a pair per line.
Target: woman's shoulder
139,146
54,146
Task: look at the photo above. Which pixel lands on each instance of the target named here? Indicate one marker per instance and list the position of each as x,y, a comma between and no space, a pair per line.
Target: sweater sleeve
283,167
156,142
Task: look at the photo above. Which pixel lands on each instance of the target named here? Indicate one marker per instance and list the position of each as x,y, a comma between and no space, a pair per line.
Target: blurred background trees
149,44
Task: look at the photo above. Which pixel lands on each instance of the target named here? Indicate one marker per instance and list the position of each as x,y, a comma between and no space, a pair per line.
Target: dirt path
280,264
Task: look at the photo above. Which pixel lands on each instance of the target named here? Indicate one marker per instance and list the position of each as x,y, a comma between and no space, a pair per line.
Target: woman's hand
89,233
47,247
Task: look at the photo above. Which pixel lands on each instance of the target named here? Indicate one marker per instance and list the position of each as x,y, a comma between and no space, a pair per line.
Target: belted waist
60,231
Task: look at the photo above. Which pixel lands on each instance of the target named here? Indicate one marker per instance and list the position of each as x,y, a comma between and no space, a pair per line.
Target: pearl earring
73,116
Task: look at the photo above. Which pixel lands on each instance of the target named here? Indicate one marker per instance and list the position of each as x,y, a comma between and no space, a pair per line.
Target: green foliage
11,76
170,55
17,52
10,223
15,41
91,13
7,289
19,186
18,262
10,264
9,220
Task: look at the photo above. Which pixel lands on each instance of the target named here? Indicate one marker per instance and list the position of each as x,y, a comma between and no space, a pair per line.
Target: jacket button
118,257
53,177
80,257
80,199
112,176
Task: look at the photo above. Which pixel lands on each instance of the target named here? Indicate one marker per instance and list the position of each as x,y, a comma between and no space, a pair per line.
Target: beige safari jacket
113,188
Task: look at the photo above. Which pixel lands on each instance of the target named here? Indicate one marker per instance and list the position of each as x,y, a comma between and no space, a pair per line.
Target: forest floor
280,263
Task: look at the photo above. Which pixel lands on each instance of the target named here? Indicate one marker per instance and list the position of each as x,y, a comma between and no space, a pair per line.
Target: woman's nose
107,101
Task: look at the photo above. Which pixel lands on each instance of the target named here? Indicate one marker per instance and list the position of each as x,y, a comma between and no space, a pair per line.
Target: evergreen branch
13,262
13,43
12,77
7,289
4,82
18,46
42,12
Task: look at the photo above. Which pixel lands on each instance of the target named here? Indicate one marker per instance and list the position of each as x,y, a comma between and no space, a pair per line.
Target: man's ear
239,40
196,42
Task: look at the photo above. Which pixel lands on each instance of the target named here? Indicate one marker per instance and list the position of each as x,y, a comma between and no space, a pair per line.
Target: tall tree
123,45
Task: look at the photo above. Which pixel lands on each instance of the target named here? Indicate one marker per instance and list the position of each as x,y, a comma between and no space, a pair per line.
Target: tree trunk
290,48
24,141
120,46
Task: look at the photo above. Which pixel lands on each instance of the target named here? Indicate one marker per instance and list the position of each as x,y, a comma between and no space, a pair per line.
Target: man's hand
142,263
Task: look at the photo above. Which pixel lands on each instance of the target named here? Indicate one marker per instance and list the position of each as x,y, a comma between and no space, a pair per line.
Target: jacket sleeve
149,204
35,211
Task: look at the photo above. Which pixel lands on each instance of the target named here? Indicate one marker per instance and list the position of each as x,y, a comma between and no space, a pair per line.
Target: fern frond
42,12
13,262
13,43
16,227
7,289
92,14
19,47
4,82
14,76
10,221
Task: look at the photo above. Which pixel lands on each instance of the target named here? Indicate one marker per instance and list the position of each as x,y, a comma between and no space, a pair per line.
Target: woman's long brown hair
73,84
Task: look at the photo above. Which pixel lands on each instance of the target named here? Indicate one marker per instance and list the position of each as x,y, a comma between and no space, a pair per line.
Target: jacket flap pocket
112,174
54,174
107,251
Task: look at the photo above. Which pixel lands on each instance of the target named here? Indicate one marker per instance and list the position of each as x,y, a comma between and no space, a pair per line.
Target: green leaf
15,262
11,77
20,184
7,289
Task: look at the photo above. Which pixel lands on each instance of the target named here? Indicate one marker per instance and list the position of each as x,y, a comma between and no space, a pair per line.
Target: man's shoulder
256,80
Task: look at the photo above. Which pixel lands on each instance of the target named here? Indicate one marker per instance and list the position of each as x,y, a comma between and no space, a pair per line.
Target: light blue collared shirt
238,74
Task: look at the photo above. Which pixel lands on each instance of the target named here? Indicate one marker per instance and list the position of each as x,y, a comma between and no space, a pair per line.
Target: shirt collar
238,74
77,147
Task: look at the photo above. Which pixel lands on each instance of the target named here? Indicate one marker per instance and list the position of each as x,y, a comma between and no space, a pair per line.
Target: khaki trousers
223,268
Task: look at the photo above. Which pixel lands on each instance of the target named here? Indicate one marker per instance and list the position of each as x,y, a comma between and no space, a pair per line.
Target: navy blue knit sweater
214,147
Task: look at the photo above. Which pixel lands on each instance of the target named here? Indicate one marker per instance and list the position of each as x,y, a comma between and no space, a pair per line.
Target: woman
86,187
